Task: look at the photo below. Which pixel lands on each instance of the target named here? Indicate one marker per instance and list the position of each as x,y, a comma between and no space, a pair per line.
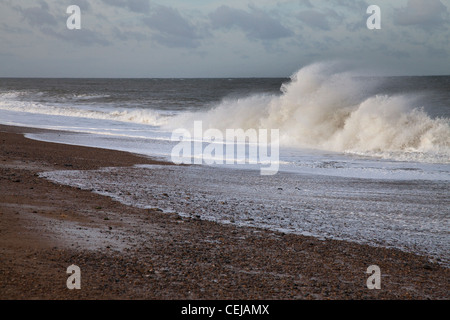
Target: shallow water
409,215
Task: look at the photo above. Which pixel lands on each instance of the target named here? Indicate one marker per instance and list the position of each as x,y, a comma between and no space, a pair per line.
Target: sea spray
8,102
333,110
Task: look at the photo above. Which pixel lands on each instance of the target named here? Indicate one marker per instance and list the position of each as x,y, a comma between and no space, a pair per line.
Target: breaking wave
136,115
333,110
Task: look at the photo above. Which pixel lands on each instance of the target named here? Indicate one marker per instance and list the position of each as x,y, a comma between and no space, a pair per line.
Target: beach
127,252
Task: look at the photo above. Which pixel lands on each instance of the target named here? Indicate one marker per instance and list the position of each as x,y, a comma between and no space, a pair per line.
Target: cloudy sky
208,38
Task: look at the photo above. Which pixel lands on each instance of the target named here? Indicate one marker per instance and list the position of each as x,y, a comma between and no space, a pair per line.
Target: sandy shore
45,227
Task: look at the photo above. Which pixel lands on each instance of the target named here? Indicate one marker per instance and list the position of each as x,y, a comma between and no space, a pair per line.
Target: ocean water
361,158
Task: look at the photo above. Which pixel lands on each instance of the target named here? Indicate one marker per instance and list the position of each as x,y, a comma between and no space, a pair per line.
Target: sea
359,158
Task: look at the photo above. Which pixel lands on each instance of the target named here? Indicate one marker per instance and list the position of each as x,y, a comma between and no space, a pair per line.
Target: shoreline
46,227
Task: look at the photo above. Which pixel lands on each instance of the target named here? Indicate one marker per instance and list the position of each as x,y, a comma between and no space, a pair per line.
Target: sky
233,38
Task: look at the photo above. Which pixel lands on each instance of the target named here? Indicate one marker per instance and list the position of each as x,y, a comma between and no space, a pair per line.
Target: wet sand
46,227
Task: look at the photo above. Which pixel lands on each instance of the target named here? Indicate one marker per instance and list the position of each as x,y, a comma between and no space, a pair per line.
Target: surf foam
136,115
325,108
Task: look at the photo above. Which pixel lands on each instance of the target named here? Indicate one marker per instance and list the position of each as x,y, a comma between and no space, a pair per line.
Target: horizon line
193,78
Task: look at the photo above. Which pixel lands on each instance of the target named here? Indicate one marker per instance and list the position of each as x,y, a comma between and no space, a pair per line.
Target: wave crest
135,115
333,110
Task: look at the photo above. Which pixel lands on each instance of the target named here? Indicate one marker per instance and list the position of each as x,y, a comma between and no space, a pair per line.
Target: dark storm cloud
132,5
171,29
319,20
12,29
422,13
256,24
306,3
315,19
35,32
83,4
350,3
38,16
41,18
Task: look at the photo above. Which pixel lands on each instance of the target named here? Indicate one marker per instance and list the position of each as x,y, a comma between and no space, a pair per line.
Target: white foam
329,110
134,115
